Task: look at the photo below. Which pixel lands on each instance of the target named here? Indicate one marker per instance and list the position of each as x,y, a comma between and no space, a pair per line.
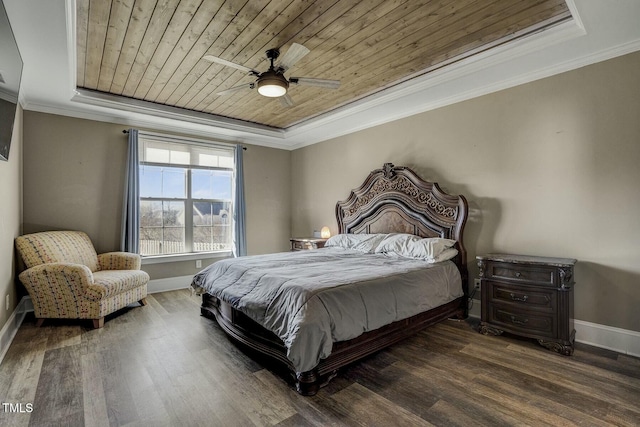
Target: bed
392,201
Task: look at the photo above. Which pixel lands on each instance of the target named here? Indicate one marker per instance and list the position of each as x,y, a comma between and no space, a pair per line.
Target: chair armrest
119,261
57,280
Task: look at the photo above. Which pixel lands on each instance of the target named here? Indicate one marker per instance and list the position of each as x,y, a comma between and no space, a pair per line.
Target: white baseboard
169,284
621,340
10,329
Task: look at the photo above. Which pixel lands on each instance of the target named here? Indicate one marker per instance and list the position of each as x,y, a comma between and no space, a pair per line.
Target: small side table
528,296
306,243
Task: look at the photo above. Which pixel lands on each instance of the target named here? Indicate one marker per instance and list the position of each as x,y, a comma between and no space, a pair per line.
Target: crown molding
157,120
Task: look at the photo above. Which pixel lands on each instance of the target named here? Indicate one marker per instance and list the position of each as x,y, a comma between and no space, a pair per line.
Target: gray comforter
311,299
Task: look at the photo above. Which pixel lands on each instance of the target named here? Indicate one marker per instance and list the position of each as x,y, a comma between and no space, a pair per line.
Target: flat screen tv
10,74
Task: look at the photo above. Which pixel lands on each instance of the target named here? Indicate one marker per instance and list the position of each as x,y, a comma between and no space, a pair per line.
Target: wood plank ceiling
152,49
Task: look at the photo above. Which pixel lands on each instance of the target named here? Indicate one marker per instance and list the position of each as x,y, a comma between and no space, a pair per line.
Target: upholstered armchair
66,278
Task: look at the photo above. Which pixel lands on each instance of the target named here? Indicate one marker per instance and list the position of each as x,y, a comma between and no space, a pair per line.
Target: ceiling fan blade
230,64
309,81
236,89
286,100
295,53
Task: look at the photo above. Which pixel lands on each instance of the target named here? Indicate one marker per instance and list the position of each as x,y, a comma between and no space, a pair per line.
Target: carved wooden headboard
395,199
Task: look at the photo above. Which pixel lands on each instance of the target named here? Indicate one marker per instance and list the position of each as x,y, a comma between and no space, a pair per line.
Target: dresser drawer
305,243
297,245
525,297
539,275
523,322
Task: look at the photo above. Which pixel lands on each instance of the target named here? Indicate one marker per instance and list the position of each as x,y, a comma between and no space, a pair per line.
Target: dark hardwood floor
165,365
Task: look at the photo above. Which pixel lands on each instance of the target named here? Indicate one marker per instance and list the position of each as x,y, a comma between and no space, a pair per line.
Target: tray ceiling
152,50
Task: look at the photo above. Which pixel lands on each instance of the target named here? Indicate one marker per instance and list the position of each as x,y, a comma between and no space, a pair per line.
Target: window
185,197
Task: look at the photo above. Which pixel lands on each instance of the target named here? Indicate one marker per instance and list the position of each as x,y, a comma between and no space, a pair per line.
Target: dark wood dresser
528,296
306,243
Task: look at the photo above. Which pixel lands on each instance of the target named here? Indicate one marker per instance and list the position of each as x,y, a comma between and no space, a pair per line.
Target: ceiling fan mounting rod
273,54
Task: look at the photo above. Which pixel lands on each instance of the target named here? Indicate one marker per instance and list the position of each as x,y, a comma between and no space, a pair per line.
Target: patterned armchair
66,278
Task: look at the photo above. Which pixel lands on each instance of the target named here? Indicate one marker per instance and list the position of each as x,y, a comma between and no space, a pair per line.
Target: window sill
159,259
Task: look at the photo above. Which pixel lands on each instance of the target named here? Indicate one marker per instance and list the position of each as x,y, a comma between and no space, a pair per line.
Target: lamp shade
325,233
272,85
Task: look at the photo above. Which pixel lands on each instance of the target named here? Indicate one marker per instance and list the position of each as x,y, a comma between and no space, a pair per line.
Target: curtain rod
127,131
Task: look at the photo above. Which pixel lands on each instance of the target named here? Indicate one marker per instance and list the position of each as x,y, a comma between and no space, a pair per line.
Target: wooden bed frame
391,200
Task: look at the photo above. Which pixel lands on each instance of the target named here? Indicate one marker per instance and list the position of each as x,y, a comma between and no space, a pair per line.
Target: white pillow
445,255
410,246
360,242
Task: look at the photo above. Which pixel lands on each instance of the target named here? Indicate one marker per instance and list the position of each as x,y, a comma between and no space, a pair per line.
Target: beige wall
74,178
549,168
10,220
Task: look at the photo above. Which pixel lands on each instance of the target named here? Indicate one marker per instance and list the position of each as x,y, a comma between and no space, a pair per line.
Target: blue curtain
239,235
129,241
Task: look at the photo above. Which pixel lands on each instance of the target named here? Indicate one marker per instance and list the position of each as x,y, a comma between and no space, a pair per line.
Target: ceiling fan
272,83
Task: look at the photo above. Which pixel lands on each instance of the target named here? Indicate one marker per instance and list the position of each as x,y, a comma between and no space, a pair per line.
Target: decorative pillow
410,246
360,242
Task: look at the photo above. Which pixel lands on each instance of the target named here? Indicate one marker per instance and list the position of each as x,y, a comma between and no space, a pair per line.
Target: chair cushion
73,247
112,282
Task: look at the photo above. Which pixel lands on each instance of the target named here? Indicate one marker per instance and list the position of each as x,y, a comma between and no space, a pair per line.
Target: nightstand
528,296
306,243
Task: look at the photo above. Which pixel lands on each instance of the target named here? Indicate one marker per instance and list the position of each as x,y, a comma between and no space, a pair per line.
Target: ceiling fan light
272,86
272,90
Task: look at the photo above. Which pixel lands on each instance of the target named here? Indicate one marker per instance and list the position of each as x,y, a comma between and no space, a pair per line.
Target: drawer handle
517,321
524,298
518,274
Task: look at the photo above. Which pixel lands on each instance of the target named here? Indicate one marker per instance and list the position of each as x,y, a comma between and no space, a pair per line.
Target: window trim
174,139
159,259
